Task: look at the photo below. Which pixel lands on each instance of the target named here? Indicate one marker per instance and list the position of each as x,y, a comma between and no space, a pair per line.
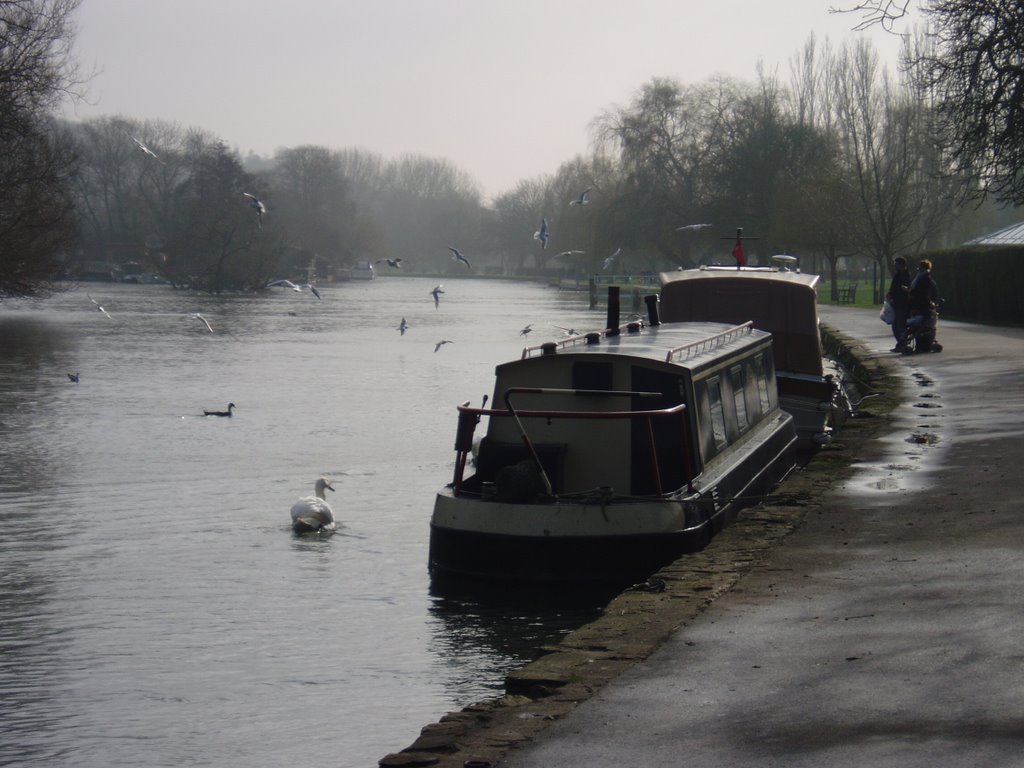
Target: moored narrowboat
607,455
784,303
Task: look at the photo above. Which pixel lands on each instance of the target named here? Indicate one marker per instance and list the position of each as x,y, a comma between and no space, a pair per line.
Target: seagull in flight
542,233
99,306
569,253
297,288
441,343
403,327
393,263
526,330
258,206
568,331
436,293
146,150
692,227
608,262
583,199
457,256
199,316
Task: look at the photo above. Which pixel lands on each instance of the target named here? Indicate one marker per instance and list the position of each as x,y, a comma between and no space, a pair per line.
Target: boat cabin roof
782,302
690,345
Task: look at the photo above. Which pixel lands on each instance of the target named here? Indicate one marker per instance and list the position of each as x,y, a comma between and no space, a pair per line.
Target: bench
847,295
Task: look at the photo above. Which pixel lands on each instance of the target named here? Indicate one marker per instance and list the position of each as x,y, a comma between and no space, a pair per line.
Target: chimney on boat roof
653,317
612,323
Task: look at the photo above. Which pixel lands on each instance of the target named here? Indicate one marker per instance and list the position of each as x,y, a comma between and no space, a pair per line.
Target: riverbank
638,621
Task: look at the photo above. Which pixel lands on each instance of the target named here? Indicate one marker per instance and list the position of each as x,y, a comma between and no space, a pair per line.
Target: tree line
840,158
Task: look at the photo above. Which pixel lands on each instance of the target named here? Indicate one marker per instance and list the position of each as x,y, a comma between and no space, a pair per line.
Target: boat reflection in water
615,452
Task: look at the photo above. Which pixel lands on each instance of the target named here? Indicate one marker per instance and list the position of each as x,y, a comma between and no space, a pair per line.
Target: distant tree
124,194
37,161
426,205
217,241
314,202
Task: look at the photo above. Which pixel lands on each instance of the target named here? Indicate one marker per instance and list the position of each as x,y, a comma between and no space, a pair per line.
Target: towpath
887,629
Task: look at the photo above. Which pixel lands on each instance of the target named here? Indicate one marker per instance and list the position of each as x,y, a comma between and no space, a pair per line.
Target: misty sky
505,89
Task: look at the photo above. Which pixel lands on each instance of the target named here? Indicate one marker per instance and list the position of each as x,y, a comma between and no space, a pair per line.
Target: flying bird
542,234
583,199
99,306
393,263
457,256
436,293
199,316
73,377
231,407
611,259
441,343
526,330
403,327
297,288
257,204
692,227
569,253
146,150
568,331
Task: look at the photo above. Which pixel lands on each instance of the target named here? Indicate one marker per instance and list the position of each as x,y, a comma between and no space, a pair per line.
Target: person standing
899,298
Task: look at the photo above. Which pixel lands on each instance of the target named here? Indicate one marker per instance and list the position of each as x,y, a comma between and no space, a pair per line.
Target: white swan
312,514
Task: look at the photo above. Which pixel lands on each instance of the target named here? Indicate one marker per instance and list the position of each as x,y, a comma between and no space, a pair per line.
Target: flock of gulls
312,514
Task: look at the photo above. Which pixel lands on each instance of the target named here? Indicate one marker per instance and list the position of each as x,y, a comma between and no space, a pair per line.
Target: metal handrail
711,342
469,417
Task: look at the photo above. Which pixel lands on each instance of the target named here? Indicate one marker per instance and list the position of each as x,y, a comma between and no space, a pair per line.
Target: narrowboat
607,455
784,303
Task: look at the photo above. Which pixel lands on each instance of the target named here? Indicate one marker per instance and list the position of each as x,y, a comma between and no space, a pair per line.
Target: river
155,607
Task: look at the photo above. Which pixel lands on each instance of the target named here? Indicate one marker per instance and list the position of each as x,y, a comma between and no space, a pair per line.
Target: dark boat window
762,369
739,396
717,412
674,446
592,376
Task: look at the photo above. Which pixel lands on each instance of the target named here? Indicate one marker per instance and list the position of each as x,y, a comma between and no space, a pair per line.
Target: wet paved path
887,630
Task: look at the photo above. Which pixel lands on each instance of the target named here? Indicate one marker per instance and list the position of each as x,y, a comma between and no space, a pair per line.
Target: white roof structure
1012,235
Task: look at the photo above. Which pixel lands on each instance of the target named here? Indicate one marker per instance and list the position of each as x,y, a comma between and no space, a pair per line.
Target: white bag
888,314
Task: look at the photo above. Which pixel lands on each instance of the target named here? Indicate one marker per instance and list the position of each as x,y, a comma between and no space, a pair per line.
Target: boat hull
587,541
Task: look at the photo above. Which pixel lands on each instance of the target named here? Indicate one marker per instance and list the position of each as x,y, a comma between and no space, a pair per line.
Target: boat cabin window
586,375
739,396
717,412
762,369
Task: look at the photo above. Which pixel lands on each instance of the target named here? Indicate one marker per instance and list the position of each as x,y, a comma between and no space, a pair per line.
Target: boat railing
469,417
709,343
591,337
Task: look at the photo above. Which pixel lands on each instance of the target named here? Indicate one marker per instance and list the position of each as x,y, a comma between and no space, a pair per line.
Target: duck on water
231,407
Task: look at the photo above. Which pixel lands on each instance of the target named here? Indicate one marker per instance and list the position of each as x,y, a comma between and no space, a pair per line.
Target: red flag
737,252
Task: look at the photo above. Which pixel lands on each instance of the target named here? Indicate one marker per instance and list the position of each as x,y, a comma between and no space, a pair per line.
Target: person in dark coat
899,297
923,290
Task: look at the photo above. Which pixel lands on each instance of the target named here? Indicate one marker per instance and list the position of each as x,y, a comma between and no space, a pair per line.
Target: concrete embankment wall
636,622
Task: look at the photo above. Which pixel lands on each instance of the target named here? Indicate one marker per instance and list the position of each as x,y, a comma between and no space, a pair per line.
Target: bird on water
231,407
312,514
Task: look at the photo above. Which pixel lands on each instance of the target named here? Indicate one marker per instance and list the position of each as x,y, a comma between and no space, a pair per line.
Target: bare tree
37,221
